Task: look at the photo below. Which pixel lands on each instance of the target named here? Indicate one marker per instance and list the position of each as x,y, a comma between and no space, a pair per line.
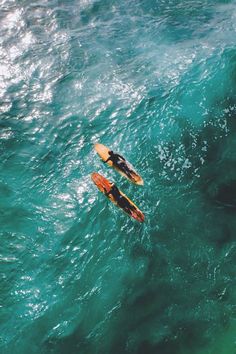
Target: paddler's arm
113,191
110,191
107,193
121,157
109,158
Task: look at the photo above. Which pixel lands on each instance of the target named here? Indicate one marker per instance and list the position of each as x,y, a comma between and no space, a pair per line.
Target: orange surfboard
105,186
133,176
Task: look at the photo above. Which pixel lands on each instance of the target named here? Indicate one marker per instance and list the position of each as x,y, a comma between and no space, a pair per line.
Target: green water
156,81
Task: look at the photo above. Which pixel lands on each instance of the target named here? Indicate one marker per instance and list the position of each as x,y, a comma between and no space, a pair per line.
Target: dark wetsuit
121,201
119,162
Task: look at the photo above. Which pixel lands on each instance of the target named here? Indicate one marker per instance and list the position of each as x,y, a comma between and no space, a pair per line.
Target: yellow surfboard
125,168
104,185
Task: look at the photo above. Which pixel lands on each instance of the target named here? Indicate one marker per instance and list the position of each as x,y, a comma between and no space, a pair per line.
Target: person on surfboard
119,162
121,201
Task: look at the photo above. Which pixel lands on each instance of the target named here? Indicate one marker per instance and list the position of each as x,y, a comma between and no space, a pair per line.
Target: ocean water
156,81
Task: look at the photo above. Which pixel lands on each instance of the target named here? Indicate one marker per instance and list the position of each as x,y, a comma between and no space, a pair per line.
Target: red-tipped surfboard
105,186
125,169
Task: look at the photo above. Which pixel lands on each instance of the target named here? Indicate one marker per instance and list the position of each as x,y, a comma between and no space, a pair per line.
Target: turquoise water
155,80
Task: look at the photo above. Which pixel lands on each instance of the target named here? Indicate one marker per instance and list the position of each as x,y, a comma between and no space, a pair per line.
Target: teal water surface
156,81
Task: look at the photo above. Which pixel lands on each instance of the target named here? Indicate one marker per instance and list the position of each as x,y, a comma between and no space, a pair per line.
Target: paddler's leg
125,205
123,167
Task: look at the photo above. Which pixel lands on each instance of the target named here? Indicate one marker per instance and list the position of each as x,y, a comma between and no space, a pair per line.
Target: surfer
121,201
119,162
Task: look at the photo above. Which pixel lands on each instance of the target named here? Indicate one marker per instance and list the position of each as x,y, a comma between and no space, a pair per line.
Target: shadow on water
218,176
73,343
186,336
